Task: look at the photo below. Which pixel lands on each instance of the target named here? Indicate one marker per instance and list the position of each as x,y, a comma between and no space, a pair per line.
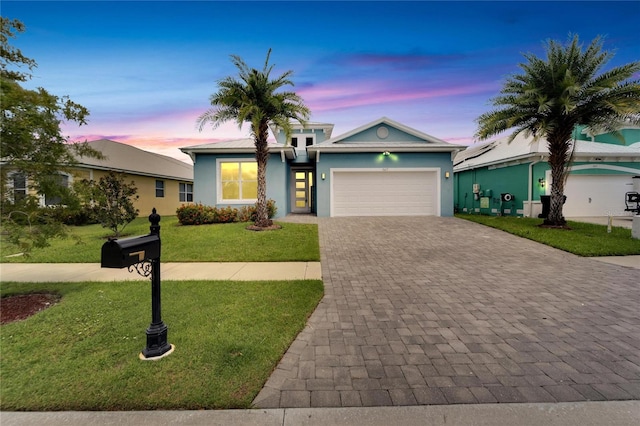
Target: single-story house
509,178
163,182
382,168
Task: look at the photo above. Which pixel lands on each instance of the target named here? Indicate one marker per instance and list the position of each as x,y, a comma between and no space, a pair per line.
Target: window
55,198
302,140
159,189
186,192
19,186
238,181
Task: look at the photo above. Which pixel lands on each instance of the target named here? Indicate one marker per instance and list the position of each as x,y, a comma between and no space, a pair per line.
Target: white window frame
164,188
11,187
43,198
219,198
186,192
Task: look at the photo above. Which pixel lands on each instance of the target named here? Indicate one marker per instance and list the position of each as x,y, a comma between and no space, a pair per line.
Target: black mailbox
129,251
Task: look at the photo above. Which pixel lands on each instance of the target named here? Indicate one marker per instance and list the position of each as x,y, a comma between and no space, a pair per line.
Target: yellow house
163,182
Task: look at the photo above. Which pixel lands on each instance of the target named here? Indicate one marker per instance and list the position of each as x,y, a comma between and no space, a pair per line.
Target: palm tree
554,95
251,97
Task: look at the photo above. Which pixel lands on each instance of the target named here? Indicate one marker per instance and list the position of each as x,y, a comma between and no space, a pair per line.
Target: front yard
203,243
583,239
82,353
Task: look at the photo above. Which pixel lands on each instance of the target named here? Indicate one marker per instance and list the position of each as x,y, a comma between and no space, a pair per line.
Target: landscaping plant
553,95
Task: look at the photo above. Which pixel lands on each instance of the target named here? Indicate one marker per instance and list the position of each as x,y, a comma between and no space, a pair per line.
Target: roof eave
288,151
458,168
382,148
130,172
312,150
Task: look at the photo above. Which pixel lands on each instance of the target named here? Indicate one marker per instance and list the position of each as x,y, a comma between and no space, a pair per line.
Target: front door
302,182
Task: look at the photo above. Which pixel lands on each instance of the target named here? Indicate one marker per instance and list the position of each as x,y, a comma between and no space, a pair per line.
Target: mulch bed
22,306
273,227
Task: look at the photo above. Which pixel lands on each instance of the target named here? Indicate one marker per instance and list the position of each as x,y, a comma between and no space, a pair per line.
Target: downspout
530,190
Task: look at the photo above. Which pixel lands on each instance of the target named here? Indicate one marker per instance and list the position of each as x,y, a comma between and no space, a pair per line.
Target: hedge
199,214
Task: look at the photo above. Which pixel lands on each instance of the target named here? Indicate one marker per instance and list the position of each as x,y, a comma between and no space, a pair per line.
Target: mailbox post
157,344
143,254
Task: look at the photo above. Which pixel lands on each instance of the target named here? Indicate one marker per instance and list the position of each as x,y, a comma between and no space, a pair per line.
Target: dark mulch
22,306
273,227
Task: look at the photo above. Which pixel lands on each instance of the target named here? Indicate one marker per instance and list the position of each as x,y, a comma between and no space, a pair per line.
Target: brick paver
428,310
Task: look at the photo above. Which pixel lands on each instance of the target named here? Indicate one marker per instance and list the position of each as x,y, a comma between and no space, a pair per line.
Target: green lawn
583,239
203,243
82,353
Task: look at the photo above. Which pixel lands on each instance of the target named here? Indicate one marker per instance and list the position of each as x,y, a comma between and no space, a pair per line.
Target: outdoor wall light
386,153
447,175
323,176
541,182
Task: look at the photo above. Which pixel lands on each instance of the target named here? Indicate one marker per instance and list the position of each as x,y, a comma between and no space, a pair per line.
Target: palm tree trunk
559,158
262,156
556,217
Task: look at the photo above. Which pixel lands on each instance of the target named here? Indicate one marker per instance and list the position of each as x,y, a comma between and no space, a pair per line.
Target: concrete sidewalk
617,413
239,271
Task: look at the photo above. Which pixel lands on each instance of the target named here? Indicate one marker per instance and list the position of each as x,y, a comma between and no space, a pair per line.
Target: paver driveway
428,310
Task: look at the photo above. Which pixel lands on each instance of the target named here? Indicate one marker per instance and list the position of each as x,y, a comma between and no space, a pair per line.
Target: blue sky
146,69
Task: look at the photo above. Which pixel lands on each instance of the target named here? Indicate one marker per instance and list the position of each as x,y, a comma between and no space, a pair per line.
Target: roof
501,151
327,128
125,158
420,142
236,146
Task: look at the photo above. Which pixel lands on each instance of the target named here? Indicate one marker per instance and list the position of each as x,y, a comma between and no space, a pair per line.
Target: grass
583,239
82,353
204,243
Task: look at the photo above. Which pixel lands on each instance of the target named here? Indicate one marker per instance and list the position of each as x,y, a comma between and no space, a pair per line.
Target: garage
385,192
596,195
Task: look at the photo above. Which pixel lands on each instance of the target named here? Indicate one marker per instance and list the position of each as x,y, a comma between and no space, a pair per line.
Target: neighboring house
163,182
508,178
383,168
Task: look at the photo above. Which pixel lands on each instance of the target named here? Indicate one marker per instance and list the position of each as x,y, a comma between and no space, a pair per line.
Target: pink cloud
464,140
347,94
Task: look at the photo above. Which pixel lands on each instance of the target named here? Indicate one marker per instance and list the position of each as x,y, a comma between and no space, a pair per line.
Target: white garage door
596,195
385,193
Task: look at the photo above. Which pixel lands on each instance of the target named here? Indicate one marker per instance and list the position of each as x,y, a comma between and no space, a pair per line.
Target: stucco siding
206,185
371,135
515,180
493,183
328,161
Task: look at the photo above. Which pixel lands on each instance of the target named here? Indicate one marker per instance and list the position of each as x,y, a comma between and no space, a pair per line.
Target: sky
146,69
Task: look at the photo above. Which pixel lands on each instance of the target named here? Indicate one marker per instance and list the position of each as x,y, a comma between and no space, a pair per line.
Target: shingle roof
132,160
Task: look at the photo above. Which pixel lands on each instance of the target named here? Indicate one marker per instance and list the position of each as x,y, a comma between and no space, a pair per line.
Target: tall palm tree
554,95
251,98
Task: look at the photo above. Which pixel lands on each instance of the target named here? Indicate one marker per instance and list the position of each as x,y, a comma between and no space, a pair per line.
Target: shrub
199,214
248,213
85,215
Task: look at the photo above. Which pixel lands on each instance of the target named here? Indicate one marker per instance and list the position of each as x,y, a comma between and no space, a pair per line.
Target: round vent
382,132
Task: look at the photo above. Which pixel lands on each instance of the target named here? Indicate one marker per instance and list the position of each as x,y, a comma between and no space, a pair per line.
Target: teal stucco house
382,168
509,178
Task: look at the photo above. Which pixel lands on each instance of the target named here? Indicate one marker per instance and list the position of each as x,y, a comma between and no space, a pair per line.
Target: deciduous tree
32,143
